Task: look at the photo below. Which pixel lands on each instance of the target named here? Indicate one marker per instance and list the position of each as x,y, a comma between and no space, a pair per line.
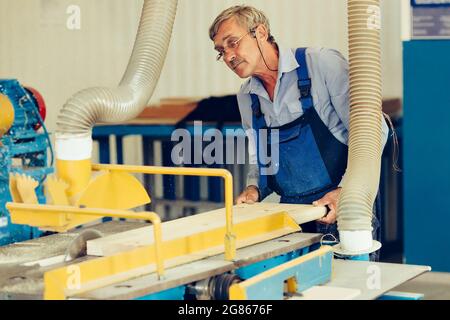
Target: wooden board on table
201,223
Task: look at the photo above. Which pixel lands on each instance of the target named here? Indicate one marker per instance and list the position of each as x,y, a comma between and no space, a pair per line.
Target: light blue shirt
328,71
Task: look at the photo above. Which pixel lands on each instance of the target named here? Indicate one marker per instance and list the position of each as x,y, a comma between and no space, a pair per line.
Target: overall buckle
305,88
257,112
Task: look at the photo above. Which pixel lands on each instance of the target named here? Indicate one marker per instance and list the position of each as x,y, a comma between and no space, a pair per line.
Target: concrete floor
434,285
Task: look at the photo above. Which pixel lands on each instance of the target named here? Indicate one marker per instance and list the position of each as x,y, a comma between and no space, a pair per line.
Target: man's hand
330,200
250,195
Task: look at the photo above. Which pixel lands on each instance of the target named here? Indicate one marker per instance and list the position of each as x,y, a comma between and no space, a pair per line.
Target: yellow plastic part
108,190
6,114
292,285
22,188
76,173
27,188
114,190
15,194
33,215
57,191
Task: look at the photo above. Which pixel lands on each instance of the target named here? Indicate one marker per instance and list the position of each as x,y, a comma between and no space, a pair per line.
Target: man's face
243,59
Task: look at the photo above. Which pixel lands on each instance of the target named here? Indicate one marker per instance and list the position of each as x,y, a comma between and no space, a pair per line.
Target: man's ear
261,32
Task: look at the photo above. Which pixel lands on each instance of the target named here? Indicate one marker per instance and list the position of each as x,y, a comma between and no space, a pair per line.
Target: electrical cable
41,121
260,51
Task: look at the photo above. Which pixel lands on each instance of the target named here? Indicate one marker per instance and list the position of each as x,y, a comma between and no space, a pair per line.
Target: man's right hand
250,195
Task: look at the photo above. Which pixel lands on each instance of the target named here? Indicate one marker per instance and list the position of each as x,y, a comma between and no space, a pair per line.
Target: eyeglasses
230,43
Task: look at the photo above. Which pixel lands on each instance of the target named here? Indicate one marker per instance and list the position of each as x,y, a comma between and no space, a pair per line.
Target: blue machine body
23,150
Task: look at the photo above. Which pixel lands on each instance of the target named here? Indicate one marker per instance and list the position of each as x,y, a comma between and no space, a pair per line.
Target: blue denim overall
311,160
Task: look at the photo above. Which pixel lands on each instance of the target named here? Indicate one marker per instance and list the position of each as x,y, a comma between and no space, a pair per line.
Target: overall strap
304,81
259,121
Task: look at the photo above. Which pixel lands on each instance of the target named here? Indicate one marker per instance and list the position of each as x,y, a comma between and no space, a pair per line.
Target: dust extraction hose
113,105
365,142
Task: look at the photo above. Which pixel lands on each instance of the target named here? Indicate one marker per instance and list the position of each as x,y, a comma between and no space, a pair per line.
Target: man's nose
229,56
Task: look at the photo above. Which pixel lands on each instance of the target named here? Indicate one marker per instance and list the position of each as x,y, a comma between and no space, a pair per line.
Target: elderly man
304,94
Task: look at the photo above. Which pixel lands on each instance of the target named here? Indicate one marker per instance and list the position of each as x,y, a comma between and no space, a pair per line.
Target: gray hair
247,17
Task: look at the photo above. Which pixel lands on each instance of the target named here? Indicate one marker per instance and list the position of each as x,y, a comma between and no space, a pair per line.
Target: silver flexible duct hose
112,105
365,142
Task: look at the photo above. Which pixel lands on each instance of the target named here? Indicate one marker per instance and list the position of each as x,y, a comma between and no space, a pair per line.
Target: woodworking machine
23,150
240,252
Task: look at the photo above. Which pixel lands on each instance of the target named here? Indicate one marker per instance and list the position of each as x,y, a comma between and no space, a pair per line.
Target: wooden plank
200,223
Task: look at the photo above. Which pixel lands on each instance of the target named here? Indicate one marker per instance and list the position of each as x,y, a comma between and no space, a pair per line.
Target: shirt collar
286,63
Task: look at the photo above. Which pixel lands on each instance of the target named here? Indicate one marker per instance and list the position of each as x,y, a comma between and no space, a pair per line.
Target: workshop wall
39,49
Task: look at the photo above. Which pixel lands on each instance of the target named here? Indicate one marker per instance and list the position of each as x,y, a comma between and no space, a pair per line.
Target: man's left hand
330,200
